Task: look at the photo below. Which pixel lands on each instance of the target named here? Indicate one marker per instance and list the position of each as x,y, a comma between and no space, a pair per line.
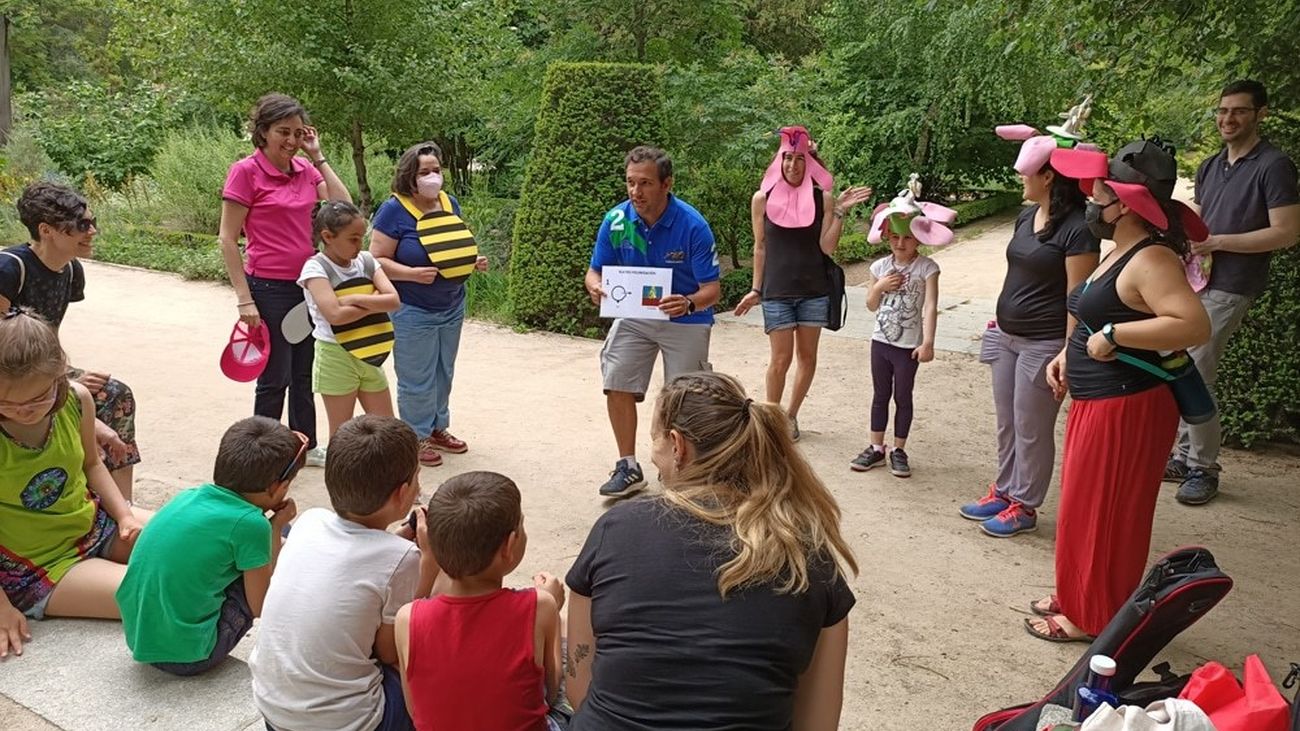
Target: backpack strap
22,273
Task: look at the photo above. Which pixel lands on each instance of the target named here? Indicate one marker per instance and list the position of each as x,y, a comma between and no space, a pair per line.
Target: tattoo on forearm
580,653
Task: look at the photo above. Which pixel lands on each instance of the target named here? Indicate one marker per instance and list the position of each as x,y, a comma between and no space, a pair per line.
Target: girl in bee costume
349,298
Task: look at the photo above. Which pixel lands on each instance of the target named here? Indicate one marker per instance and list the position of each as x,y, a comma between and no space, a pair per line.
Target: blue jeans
804,312
235,620
396,717
289,366
424,356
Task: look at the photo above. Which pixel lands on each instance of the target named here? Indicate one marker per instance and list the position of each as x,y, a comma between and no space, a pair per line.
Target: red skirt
1115,454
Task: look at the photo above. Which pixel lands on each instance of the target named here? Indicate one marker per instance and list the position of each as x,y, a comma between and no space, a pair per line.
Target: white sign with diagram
634,292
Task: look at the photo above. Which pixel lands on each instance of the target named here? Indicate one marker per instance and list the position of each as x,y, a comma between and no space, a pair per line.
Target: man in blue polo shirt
1248,197
652,228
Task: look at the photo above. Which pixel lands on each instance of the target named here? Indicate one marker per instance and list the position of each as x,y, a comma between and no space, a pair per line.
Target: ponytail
749,476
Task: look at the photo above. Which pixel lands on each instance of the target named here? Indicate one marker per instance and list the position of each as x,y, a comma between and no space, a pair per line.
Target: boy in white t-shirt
904,294
326,651
349,298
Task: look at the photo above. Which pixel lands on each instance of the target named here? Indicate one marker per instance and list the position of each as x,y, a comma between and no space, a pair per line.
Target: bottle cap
1102,665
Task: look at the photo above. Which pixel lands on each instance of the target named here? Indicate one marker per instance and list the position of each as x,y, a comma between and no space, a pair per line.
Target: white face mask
429,185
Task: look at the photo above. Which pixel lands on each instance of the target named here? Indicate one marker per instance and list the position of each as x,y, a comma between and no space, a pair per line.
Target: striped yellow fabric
370,338
446,239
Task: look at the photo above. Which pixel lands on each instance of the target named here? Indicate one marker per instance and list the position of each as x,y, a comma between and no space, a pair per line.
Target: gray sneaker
898,463
1175,470
623,481
794,428
869,458
1200,487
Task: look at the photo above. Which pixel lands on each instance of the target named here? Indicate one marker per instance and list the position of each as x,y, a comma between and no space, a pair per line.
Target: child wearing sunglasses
65,529
192,590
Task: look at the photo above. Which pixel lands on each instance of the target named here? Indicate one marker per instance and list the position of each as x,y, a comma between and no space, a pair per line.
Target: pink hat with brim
245,356
1131,185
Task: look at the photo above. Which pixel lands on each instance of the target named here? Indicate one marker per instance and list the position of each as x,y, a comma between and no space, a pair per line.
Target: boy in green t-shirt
201,570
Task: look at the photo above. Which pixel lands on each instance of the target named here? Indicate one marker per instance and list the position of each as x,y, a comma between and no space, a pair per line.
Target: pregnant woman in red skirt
1123,420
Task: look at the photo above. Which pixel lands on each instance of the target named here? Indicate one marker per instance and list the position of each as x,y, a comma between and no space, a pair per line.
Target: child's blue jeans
234,622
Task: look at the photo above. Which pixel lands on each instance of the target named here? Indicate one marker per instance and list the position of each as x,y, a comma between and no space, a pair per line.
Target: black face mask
1092,214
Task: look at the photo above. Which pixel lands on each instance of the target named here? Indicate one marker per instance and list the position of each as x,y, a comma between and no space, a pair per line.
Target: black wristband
690,306
320,162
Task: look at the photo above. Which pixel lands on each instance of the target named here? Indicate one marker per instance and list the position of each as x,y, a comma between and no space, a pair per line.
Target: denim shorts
805,312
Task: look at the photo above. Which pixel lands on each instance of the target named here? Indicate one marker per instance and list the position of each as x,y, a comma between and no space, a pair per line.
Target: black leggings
892,370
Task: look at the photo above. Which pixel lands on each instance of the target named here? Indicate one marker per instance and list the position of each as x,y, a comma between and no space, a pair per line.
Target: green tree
380,70
591,115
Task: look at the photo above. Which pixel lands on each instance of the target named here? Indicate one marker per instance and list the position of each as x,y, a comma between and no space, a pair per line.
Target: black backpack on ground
1178,590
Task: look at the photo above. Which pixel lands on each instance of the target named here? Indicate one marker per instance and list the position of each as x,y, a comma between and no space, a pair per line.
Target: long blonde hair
747,475
30,347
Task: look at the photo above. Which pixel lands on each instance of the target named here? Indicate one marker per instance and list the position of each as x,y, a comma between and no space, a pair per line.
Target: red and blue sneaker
1014,520
986,507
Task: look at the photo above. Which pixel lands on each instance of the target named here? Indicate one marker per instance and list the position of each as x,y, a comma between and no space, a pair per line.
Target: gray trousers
1026,414
1198,445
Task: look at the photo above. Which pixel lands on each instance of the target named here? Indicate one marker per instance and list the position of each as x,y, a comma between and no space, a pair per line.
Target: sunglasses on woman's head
302,451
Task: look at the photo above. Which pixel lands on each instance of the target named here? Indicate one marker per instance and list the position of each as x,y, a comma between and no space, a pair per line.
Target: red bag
1256,707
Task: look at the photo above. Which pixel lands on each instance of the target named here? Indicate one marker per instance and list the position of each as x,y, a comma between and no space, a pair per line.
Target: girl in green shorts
349,298
65,529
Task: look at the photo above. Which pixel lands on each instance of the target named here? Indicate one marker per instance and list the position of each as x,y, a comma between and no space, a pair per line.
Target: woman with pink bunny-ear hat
1050,252
797,223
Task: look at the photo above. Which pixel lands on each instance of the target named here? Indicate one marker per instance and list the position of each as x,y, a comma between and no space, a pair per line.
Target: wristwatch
1108,332
690,306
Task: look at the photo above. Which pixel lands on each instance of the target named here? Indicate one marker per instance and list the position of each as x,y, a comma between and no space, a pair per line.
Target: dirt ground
936,639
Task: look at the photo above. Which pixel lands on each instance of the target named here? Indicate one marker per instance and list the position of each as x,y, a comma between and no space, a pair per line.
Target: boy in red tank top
477,655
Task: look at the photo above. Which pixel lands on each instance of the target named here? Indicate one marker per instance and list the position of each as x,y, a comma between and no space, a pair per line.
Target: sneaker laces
1010,512
993,495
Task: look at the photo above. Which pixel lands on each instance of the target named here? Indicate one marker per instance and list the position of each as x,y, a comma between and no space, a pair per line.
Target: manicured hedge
735,285
591,114
1258,389
991,205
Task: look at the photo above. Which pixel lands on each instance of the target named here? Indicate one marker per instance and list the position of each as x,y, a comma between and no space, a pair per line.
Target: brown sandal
1053,607
1055,632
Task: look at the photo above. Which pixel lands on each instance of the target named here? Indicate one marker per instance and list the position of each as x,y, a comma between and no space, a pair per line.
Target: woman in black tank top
1123,420
796,223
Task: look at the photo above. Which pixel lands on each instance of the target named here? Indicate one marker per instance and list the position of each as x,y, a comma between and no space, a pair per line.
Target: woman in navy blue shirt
428,252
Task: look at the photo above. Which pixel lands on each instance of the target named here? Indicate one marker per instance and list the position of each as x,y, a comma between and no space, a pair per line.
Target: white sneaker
316,457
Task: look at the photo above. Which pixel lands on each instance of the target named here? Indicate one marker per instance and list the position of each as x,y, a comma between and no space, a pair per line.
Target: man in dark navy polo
1248,197
652,228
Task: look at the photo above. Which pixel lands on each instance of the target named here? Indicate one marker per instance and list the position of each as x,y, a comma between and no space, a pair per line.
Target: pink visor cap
244,357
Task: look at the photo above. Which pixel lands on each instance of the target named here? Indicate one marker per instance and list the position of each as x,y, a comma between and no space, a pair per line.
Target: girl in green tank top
63,521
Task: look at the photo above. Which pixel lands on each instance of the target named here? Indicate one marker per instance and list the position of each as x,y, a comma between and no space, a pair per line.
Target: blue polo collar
666,220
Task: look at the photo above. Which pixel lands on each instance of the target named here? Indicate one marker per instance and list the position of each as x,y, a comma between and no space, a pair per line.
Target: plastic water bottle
1096,689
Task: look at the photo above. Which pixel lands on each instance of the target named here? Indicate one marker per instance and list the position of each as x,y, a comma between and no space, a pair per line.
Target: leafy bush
721,193
487,296
491,220
591,114
189,170
854,246
735,285
1259,376
93,132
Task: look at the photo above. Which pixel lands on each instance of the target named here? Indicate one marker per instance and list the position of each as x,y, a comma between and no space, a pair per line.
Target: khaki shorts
336,372
628,358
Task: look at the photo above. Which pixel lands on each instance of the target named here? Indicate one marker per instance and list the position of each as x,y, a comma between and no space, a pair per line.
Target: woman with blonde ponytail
721,603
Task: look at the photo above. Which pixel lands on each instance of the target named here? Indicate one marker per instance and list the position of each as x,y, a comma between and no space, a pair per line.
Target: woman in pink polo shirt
270,195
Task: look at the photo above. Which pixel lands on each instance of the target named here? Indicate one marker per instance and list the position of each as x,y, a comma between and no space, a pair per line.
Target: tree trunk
639,31
6,110
359,161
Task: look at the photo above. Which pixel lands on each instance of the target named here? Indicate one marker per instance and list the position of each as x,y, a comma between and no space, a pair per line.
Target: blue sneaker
1015,519
623,481
1200,487
986,507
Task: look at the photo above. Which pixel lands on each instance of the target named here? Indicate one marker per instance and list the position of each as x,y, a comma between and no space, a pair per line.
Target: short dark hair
1258,94
408,166
271,109
369,457
332,216
46,202
254,453
646,153
469,516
